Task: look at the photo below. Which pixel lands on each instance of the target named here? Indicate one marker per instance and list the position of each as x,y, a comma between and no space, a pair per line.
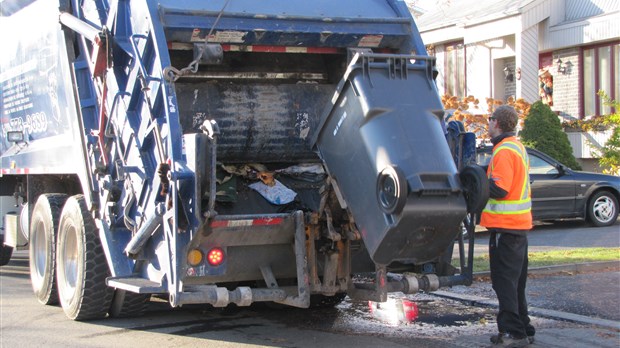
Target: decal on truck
30,98
220,36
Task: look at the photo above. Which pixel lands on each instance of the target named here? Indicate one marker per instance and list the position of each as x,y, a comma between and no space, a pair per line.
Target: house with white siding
504,48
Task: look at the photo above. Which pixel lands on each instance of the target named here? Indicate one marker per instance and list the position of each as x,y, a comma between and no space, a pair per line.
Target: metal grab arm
79,26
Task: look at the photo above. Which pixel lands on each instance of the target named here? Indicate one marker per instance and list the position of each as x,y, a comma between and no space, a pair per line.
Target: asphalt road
590,294
441,322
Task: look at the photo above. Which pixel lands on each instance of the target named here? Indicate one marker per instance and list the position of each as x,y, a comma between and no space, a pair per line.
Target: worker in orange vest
508,217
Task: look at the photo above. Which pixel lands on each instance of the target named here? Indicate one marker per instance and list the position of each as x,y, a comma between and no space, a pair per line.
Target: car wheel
602,209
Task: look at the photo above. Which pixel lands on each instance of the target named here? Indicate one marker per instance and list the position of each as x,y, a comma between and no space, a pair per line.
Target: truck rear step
137,285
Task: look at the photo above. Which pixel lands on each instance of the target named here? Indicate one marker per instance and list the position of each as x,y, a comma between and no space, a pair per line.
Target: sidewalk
587,293
586,296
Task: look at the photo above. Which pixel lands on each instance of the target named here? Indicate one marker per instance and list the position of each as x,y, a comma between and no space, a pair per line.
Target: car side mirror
562,169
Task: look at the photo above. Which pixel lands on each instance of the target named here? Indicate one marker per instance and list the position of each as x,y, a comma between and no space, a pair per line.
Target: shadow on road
16,268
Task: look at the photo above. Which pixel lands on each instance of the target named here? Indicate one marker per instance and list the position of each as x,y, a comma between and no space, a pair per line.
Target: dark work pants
508,257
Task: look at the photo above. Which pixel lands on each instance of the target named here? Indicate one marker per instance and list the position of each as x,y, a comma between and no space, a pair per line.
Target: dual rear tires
68,263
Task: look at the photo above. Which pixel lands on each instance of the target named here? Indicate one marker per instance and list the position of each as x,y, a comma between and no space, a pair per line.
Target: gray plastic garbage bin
383,143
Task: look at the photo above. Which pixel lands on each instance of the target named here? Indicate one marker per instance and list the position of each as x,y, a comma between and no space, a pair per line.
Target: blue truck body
226,152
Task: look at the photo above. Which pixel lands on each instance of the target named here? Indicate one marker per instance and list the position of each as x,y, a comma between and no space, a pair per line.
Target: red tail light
215,256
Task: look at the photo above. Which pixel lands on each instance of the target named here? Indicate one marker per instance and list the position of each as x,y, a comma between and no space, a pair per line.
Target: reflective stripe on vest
508,207
512,207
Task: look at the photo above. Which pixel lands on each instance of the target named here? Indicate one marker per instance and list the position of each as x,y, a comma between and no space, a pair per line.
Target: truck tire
128,304
5,252
42,249
81,263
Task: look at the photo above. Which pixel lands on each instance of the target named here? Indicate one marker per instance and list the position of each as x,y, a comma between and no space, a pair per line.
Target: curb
548,313
569,268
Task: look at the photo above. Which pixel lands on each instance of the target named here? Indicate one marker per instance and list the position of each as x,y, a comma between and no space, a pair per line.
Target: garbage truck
228,152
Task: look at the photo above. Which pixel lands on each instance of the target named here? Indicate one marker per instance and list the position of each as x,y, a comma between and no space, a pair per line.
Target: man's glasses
492,118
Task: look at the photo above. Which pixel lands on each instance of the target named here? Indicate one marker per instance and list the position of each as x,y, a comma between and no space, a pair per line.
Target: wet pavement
446,322
570,307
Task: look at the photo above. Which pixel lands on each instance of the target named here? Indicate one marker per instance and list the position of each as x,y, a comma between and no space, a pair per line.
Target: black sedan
559,192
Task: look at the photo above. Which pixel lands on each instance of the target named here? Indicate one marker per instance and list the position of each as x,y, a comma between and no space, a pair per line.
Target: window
540,166
454,70
600,72
545,78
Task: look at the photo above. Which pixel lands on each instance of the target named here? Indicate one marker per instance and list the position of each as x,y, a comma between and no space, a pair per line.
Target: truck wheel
82,266
128,304
603,209
42,249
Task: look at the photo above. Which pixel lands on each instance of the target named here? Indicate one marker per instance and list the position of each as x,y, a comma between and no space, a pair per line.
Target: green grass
557,257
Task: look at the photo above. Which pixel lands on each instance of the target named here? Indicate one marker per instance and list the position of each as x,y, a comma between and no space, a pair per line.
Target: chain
172,74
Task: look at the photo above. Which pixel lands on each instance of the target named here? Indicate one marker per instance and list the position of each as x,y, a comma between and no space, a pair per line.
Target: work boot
507,340
530,331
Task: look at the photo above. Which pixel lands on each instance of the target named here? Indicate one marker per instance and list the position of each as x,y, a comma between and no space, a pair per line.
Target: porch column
527,60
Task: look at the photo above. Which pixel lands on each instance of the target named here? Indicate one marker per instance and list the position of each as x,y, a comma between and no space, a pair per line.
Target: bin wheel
476,188
392,190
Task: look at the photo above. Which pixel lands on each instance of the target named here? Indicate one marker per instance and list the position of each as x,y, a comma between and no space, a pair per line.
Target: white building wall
485,65
537,12
491,30
578,9
442,35
596,29
527,61
440,63
478,71
586,145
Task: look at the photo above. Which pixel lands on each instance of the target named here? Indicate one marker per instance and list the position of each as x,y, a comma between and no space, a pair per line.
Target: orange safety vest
509,168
